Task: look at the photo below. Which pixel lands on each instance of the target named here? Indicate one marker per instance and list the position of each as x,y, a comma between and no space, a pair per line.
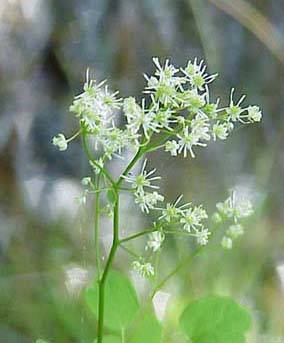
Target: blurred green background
46,46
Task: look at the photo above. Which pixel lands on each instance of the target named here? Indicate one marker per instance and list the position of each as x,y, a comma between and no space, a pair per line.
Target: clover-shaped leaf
121,303
146,328
215,319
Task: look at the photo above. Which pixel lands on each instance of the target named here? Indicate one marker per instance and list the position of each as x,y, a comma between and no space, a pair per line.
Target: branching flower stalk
176,115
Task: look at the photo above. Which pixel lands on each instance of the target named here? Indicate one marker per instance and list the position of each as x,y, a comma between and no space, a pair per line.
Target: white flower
172,212
235,207
220,131
243,208
199,131
144,269
200,126
60,141
227,207
143,179
163,85
192,100
114,140
147,201
186,141
202,236
139,117
167,72
109,99
216,218
155,240
162,117
227,243
192,218
172,147
254,114
235,231
86,181
95,106
196,74
132,112
234,111
211,109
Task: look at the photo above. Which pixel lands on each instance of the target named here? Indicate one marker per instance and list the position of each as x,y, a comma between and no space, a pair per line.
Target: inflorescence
177,108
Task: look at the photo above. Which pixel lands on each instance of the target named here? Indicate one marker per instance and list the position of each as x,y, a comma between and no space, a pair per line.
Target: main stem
97,218
115,241
102,281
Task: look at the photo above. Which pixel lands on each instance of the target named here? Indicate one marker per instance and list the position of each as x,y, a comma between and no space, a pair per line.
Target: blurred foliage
46,47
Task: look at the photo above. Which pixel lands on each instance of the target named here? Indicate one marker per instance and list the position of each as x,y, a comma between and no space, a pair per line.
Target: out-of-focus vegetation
46,47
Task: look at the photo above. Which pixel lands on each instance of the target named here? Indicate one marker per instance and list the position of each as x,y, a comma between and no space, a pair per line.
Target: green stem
155,148
109,189
100,190
97,234
136,235
185,262
122,335
161,143
181,233
102,281
180,266
74,136
130,252
136,157
90,157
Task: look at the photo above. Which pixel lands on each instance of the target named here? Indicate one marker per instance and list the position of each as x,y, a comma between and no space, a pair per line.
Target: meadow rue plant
177,116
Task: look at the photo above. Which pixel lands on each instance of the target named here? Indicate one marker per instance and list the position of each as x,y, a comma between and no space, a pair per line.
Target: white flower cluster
155,241
60,141
233,209
96,108
179,105
145,269
178,108
145,199
183,96
189,217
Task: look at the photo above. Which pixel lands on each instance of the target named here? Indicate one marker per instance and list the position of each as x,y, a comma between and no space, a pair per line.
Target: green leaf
41,341
121,303
110,339
147,329
215,320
